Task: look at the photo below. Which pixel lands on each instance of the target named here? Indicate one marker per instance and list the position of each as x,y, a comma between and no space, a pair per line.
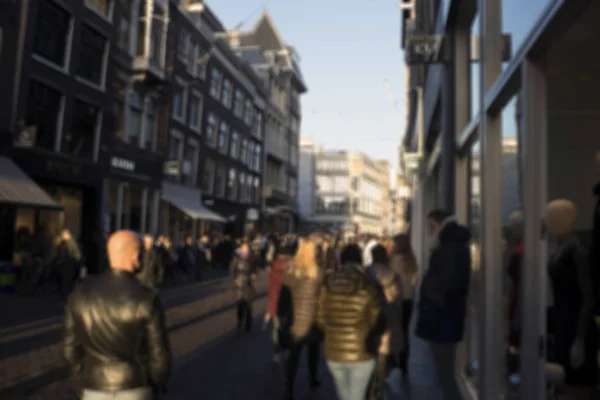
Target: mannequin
575,336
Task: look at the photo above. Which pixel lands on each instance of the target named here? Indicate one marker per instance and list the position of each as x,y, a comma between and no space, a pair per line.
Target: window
238,103
200,62
210,133
232,190
195,113
79,141
183,46
248,112
190,163
102,7
220,181
179,100
208,176
250,152
134,120
242,187
248,188
44,106
175,146
215,83
52,30
244,151
90,65
191,57
257,158
149,124
226,94
223,137
257,191
234,146
124,28
257,129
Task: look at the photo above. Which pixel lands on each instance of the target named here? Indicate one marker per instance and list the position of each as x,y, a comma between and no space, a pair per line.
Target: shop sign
122,164
252,214
424,49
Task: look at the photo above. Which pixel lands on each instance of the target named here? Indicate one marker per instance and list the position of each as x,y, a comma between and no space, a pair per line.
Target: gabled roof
265,21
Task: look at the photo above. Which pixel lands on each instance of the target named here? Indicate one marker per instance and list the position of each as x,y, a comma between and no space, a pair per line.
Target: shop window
257,127
190,161
210,133
134,118
148,142
242,187
179,100
52,33
80,139
234,147
220,181
215,83
226,93
208,176
92,49
248,112
195,113
232,185
43,114
238,103
244,151
223,137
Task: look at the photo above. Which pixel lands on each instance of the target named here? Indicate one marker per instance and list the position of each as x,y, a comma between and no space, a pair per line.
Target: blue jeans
351,378
131,394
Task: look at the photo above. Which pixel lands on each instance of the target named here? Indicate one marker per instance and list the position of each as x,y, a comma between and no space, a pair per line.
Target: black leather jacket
115,334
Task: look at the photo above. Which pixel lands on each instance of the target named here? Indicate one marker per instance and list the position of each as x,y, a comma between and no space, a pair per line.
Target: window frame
223,149
211,142
59,122
234,145
63,67
197,95
146,113
193,180
221,190
227,93
97,126
215,84
139,109
100,86
232,184
238,103
211,188
184,99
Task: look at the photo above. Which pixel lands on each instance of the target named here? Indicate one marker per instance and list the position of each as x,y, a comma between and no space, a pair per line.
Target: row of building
351,191
146,115
502,117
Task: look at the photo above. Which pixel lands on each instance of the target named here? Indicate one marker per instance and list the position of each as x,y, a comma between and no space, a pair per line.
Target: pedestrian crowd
347,300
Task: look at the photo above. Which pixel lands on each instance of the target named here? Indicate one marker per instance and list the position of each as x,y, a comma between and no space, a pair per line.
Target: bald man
116,340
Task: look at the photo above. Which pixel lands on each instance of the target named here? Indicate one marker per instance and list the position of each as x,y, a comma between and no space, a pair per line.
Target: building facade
538,91
278,65
351,192
306,179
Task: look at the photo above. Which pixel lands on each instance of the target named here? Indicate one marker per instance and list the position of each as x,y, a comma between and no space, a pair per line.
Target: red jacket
275,281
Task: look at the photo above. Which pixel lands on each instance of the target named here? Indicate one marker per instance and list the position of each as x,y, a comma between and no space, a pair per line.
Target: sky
347,49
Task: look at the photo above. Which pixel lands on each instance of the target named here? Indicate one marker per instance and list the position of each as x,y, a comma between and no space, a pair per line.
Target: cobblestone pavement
187,335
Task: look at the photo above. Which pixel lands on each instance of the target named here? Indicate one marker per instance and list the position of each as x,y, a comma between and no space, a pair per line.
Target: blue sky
347,49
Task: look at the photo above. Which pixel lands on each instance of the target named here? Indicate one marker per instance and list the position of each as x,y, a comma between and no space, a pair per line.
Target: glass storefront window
519,17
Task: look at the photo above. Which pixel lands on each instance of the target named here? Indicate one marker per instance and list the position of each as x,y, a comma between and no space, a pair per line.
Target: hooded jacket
348,312
445,286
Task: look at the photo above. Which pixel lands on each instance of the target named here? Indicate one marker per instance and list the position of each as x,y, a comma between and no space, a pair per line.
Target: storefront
131,187
545,97
74,185
184,213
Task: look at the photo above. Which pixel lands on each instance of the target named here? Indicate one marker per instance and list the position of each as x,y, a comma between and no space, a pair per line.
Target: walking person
443,296
392,342
244,274
348,313
297,309
404,264
116,341
152,270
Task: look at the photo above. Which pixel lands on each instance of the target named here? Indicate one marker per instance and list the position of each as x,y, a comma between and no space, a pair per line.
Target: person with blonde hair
297,308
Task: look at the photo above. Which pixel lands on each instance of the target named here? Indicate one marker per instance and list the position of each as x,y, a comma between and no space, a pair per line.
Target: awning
17,189
194,209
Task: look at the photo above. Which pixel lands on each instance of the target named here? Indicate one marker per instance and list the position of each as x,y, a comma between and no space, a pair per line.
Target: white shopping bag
393,388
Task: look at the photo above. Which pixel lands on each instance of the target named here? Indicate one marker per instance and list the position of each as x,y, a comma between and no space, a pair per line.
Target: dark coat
115,334
445,287
152,269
